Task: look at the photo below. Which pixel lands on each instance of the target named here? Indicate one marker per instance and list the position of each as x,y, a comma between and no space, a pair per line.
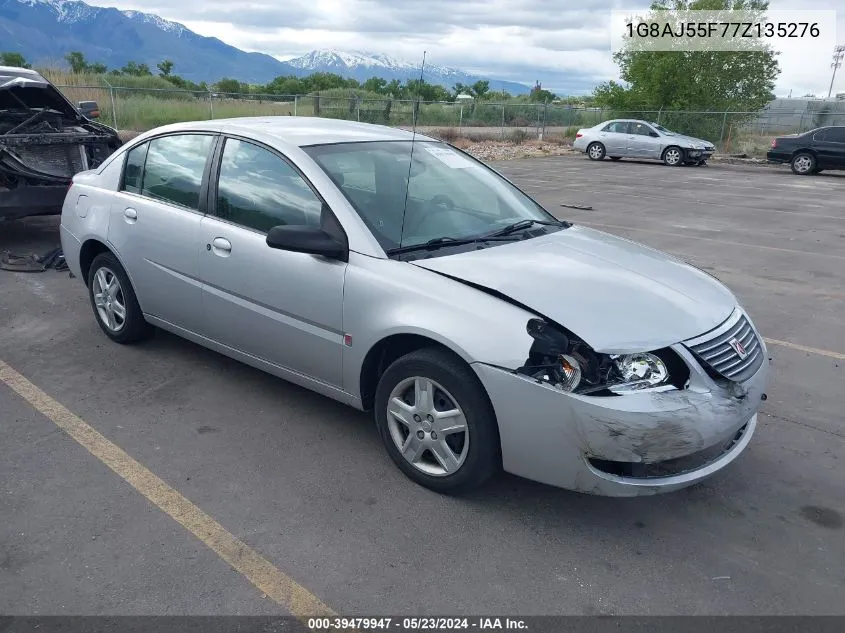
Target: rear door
155,221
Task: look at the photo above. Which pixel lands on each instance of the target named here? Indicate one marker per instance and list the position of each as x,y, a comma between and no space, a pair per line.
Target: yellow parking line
273,583
804,348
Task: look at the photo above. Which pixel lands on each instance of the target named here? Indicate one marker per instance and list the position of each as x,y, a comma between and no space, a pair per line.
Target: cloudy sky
568,50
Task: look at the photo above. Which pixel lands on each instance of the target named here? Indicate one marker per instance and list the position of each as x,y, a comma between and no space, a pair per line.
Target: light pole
838,54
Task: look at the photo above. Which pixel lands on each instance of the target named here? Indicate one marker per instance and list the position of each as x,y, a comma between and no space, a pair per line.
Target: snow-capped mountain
74,11
44,31
362,66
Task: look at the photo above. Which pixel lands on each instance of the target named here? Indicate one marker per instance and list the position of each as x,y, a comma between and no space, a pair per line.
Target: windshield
450,194
663,130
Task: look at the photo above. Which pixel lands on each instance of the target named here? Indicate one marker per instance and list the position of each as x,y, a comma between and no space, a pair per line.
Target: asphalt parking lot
303,484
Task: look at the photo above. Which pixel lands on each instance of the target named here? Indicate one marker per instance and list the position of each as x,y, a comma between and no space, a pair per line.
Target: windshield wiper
440,242
525,224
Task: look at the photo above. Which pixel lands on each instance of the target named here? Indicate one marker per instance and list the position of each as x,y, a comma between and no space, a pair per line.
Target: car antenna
413,139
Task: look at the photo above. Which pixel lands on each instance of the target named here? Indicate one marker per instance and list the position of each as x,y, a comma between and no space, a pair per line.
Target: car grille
715,348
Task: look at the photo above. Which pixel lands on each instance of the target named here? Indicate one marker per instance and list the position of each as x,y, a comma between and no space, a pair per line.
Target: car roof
299,130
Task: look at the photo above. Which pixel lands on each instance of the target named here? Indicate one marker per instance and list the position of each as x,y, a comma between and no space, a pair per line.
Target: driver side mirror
312,240
654,134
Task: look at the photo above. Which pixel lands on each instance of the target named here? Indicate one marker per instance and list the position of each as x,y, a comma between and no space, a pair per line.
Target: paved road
304,483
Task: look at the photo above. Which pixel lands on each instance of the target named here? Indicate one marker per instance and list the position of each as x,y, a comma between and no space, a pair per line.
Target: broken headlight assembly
562,360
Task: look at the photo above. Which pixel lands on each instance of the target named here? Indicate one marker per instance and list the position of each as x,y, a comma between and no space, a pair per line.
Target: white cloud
523,40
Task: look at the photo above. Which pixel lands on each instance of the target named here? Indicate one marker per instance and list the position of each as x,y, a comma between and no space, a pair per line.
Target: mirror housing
312,240
89,109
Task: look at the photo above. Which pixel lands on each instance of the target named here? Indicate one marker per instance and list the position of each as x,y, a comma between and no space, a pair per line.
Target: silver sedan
404,277
624,138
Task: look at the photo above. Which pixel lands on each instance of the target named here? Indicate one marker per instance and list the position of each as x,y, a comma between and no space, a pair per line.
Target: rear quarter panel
86,210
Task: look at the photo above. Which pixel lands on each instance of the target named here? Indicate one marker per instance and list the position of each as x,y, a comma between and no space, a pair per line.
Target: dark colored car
44,141
810,152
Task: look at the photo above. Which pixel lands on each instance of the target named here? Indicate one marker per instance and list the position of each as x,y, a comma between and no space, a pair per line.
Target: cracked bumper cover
558,438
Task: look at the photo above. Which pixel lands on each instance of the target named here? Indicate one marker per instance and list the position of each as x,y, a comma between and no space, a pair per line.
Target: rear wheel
436,422
113,301
596,151
673,156
803,164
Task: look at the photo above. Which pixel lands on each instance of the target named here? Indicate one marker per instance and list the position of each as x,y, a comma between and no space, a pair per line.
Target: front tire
673,156
596,151
114,302
436,422
803,164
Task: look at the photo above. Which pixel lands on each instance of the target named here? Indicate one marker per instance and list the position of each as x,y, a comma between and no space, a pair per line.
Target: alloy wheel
109,299
427,426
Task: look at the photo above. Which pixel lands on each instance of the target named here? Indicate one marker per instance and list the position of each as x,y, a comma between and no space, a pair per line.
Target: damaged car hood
23,88
618,296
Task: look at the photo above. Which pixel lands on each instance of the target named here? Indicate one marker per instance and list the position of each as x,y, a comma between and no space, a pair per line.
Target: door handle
131,215
221,246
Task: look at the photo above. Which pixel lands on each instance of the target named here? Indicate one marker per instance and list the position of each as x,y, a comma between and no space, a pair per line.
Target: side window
259,190
641,129
821,135
835,134
619,127
174,168
135,158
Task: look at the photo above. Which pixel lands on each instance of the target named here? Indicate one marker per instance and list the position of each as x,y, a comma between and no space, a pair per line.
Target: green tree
77,62
480,88
13,59
228,86
539,95
134,69
97,68
165,68
375,84
705,80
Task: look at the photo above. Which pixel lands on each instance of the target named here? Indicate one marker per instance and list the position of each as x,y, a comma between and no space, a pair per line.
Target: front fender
384,297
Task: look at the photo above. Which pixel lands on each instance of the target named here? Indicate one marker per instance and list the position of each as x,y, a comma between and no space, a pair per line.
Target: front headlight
562,360
639,371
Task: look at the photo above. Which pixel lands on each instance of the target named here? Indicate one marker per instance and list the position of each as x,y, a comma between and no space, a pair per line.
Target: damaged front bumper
629,445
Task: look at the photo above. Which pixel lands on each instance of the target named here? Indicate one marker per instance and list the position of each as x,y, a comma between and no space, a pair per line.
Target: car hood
32,92
678,138
618,296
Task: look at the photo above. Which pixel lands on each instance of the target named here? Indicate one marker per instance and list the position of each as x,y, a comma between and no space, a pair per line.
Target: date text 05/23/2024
416,624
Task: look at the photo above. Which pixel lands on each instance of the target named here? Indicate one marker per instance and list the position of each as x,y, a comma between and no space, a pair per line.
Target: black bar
533,624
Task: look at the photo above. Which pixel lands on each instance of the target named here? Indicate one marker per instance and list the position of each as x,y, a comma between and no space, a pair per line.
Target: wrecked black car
44,141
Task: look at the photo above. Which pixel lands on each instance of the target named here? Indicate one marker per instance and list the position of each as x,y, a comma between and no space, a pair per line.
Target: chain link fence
140,109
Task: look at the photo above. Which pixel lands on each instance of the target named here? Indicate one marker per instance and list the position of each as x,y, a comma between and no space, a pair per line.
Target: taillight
774,143
578,135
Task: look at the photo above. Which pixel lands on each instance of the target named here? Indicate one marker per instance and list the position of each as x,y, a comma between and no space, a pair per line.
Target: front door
279,306
830,147
155,222
641,143
614,137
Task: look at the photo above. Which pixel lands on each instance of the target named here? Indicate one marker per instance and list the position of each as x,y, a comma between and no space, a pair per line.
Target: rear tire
596,151
803,164
673,156
411,393
114,302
